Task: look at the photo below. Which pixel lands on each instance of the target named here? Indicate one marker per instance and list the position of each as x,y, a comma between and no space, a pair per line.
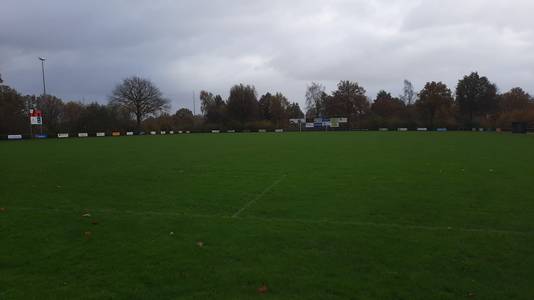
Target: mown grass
328,216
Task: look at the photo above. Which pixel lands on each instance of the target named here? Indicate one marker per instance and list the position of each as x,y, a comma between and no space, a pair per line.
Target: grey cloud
185,46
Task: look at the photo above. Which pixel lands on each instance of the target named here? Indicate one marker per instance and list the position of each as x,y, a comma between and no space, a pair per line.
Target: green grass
326,216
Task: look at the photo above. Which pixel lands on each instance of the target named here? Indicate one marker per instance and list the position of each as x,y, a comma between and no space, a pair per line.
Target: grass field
312,216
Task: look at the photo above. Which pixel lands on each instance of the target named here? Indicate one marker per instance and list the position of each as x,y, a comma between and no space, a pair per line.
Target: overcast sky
186,46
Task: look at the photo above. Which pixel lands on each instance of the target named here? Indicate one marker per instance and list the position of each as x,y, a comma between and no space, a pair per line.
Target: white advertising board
297,121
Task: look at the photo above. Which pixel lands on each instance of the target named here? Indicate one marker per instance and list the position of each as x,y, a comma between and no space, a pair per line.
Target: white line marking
258,196
390,225
281,220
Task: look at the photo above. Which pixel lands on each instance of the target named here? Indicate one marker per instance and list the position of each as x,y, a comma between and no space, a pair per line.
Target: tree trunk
138,120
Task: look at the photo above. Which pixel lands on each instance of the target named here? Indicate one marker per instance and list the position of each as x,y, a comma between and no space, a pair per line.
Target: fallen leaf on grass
263,289
87,234
2,209
94,222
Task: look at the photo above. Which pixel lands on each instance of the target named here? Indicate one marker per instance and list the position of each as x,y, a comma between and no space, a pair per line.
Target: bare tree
53,110
140,97
408,93
314,97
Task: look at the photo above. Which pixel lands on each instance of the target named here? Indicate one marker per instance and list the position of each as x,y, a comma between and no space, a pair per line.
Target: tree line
474,103
136,104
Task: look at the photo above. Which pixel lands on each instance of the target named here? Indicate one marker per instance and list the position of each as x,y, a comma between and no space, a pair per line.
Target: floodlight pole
44,83
194,104
43,71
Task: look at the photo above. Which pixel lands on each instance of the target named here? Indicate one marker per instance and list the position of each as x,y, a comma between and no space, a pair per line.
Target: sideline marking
282,220
258,196
391,225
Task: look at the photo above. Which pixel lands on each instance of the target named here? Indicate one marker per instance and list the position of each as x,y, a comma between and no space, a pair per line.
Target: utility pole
30,110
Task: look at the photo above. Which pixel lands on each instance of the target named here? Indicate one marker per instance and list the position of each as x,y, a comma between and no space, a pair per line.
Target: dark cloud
185,46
